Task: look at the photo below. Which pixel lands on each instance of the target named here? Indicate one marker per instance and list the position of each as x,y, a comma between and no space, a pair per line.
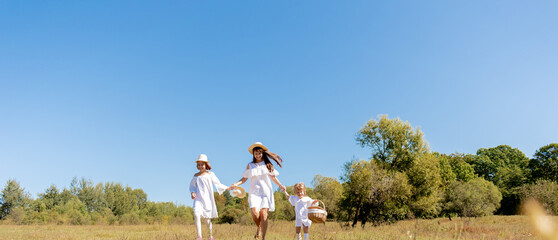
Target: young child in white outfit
201,191
301,202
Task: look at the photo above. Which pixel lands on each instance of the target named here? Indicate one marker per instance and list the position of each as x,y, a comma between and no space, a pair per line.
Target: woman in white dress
201,191
261,172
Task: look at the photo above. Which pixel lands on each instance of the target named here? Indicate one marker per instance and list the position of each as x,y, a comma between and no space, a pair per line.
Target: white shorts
300,223
258,202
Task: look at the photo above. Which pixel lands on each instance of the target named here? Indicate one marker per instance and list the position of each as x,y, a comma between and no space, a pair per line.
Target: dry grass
494,227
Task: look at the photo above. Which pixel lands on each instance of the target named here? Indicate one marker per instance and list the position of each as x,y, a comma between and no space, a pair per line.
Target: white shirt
204,203
301,208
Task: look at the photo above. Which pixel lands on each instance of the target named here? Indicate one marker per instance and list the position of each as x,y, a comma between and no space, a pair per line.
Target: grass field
494,227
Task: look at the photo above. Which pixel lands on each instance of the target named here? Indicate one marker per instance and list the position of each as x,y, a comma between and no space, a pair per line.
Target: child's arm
286,193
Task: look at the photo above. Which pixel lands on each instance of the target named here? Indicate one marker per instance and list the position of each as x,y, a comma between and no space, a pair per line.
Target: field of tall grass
493,227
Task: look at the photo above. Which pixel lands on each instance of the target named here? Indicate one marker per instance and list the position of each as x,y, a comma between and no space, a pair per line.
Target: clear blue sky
133,91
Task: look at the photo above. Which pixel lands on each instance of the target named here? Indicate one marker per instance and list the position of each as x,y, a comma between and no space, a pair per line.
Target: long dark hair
266,155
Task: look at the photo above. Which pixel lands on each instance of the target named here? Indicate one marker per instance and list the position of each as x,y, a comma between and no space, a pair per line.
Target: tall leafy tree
507,168
328,190
544,164
393,142
455,167
51,197
13,196
397,146
371,193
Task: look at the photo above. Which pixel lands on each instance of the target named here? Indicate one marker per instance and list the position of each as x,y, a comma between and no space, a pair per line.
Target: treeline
84,203
402,180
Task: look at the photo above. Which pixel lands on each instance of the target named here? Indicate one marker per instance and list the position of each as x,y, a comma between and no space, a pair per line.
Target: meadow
492,227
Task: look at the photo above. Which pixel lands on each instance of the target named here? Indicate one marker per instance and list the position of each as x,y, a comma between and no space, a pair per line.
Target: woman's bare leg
263,221
256,218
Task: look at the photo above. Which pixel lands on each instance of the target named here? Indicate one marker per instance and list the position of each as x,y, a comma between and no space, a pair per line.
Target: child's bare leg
306,235
297,230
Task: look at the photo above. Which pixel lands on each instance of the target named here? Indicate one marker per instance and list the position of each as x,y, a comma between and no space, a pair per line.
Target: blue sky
133,91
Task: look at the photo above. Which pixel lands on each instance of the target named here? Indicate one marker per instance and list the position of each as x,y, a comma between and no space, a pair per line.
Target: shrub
544,191
475,198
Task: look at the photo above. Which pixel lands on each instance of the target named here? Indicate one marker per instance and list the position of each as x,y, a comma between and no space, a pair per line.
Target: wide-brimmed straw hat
202,158
238,192
256,144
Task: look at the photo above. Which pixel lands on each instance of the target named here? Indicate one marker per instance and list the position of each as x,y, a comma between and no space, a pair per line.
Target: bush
544,191
230,215
475,198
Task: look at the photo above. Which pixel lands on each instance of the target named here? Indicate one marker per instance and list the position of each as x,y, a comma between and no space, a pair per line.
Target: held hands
283,188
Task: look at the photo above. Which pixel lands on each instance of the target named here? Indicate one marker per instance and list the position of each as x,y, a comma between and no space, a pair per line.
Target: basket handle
315,201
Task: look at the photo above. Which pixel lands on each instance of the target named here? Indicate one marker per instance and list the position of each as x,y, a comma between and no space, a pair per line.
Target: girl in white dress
261,172
301,202
201,190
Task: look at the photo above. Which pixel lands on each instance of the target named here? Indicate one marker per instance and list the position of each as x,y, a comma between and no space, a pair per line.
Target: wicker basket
316,213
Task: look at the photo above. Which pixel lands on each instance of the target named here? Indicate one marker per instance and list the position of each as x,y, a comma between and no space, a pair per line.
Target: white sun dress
260,190
204,203
301,210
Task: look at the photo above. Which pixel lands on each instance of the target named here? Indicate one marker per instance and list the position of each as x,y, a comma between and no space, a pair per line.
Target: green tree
372,193
424,176
507,168
116,198
329,190
397,146
393,142
544,165
92,196
51,197
13,196
456,167
475,198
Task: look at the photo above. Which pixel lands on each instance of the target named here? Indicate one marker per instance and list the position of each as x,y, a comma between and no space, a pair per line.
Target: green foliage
372,193
393,142
507,168
329,191
283,208
544,191
51,198
12,196
424,176
85,203
397,146
455,167
475,198
544,165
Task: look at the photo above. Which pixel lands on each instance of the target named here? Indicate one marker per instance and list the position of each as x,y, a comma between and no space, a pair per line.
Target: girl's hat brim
255,145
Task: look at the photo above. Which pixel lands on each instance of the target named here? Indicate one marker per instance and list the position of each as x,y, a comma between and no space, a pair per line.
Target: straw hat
256,144
238,192
202,158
